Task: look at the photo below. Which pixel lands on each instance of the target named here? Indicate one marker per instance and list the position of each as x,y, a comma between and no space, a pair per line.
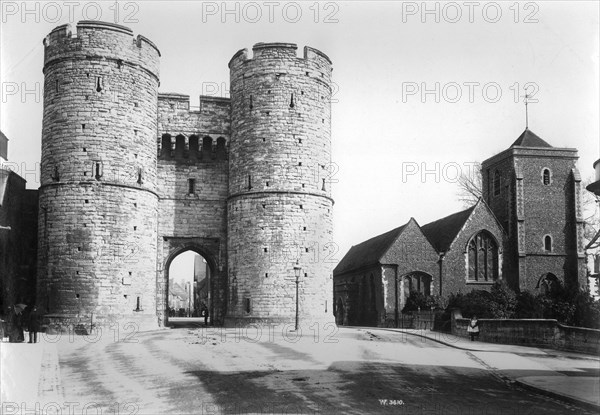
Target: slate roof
529,139
368,252
177,290
443,231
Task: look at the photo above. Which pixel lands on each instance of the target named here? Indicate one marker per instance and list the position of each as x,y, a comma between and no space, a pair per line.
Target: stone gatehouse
132,177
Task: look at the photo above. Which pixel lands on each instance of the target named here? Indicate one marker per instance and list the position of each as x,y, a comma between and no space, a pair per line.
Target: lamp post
297,270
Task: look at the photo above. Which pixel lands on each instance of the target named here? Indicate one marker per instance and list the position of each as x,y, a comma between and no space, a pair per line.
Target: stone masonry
279,206
132,178
530,210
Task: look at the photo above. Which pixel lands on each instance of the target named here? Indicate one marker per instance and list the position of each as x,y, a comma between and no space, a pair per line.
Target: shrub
527,306
587,310
474,303
503,301
569,306
417,300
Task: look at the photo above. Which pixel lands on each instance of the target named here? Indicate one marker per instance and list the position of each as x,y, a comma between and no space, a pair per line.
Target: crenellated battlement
280,51
218,176
190,148
102,40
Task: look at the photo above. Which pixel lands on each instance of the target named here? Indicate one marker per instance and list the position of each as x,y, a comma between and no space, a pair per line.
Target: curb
541,391
555,395
424,337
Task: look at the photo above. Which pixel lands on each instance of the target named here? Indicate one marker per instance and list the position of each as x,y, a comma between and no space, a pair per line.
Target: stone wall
454,263
531,332
194,221
98,198
280,206
530,210
193,146
358,297
411,252
131,179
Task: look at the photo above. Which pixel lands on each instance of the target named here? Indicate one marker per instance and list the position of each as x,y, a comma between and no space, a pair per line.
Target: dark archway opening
188,292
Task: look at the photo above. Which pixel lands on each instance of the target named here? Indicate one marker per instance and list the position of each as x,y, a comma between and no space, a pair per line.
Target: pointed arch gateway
184,302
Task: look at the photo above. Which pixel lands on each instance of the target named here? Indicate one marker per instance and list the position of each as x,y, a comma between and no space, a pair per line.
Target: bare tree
590,208
470,187
470,190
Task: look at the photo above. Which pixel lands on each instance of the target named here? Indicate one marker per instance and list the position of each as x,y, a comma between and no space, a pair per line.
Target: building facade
526,229
131,178
18,241
534,190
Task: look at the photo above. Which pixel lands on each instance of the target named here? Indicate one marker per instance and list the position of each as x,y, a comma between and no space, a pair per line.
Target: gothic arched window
482,258
548,283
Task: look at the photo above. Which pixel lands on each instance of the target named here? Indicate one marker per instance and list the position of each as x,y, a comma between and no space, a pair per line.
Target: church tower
279,204
534,191
98,198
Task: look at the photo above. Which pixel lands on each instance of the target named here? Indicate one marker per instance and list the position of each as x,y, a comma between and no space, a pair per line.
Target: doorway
188,299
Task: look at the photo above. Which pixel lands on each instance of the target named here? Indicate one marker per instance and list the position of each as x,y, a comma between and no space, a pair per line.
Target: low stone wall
531,332
121,326
419,320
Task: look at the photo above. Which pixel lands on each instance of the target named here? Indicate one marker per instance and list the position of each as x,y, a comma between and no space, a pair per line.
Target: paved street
197,370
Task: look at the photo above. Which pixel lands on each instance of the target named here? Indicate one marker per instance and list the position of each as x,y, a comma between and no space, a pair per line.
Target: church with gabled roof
526,229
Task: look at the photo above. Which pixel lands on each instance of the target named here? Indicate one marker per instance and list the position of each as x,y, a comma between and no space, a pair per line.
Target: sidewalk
30,376
571,377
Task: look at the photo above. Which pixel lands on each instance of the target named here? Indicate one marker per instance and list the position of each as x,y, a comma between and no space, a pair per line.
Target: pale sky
384,55
182,267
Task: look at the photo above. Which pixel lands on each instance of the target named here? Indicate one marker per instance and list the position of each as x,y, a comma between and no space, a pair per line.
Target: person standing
34,325
473,328
16,334
204,311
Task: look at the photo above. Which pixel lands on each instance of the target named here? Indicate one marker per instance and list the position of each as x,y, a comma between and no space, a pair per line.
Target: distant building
527,230
593,247
201,284
18,235
178,296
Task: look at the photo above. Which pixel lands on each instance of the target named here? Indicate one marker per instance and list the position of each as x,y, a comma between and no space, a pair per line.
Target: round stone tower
279,204
98,200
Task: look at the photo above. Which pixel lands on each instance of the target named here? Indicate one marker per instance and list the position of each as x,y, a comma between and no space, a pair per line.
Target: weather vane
525,100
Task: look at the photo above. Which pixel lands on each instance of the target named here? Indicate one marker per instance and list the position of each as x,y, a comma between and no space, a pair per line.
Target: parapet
174,100
208,103
101,39
279,51
181,102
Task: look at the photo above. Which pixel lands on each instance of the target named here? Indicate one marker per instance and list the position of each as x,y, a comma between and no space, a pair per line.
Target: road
273,370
